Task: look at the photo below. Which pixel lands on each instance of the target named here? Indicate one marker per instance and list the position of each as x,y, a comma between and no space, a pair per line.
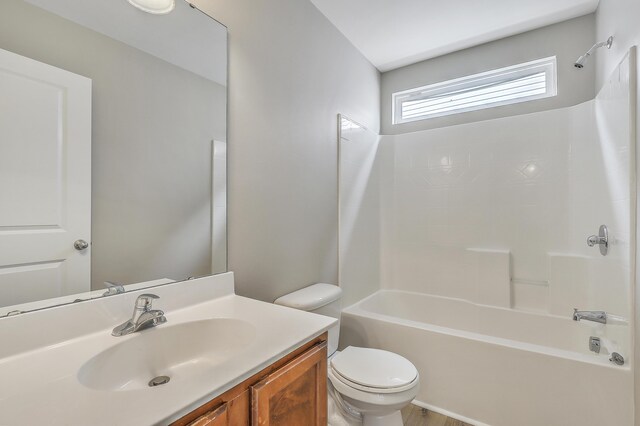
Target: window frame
547,65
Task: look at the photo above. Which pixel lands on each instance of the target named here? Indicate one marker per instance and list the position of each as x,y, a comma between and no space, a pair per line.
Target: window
504,86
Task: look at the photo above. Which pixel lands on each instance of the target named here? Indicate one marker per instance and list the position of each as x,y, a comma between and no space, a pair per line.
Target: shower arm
607,43
579,63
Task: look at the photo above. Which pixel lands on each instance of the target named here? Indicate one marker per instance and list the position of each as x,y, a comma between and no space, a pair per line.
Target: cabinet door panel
240,409
217,417
232,413
296,394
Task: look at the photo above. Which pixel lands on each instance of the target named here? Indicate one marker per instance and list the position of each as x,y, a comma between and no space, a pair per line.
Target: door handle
80,245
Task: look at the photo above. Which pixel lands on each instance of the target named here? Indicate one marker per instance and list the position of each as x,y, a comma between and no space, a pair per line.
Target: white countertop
39,385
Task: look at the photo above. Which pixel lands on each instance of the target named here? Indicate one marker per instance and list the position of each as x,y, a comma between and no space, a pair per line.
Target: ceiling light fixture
156,7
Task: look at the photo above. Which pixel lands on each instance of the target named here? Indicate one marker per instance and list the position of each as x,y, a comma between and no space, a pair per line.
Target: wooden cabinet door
232,413
295,394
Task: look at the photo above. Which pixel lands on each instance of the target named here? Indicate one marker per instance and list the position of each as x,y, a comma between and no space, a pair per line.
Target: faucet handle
144,301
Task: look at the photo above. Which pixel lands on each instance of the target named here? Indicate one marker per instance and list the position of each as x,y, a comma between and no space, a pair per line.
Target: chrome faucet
143,317
595,316
113,288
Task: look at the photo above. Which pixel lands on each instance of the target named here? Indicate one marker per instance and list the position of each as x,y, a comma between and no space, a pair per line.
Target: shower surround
486,223
498,212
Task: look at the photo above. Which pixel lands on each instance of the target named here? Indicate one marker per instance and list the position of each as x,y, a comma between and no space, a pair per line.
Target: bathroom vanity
230,360
291,391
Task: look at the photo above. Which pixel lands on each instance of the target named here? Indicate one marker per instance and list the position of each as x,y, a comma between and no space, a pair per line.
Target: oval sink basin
178,352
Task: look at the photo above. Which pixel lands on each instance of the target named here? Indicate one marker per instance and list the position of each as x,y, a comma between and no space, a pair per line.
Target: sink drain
158,381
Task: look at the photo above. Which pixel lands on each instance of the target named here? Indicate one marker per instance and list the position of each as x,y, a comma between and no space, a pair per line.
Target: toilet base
336,416
393,419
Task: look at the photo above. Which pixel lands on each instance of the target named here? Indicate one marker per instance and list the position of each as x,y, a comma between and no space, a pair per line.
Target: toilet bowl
376,384
368,386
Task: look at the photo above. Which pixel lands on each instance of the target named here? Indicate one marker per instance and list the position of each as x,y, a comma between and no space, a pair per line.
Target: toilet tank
320,298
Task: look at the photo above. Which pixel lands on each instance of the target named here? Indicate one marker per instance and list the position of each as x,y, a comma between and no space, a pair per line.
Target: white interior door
45,180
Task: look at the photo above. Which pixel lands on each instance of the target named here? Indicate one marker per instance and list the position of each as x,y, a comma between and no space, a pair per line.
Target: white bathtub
495,366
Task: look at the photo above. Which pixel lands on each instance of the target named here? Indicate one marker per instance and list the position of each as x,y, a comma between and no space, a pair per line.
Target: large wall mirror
112,149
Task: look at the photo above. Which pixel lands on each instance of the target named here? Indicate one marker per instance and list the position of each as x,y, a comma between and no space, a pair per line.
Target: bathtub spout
595,316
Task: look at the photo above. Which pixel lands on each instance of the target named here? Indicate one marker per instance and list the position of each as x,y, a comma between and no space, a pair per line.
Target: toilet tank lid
310,298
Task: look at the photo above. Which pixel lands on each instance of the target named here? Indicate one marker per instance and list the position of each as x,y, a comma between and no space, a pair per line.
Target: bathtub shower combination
466,250
494,366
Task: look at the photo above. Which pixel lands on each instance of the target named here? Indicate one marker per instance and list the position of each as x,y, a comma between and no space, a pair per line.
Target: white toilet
370,386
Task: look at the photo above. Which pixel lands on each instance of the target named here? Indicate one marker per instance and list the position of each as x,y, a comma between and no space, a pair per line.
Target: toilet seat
373,370
371,399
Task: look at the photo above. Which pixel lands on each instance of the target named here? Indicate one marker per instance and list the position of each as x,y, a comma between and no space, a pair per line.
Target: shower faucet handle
602,240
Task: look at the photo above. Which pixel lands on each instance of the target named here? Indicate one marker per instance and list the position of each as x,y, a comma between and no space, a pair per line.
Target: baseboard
448,413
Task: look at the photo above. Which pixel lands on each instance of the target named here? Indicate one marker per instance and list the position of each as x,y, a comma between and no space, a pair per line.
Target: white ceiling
185,37
393,34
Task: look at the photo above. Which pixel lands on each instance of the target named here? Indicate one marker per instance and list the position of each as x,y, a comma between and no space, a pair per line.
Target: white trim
533,72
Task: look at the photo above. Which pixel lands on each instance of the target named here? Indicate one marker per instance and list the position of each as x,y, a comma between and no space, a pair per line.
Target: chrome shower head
579,63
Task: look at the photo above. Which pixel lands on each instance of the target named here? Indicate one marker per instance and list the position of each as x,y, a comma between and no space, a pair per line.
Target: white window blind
504,86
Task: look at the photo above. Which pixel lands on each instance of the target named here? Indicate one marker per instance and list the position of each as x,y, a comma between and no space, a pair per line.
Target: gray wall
151,141
567,40
291,73
620,19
